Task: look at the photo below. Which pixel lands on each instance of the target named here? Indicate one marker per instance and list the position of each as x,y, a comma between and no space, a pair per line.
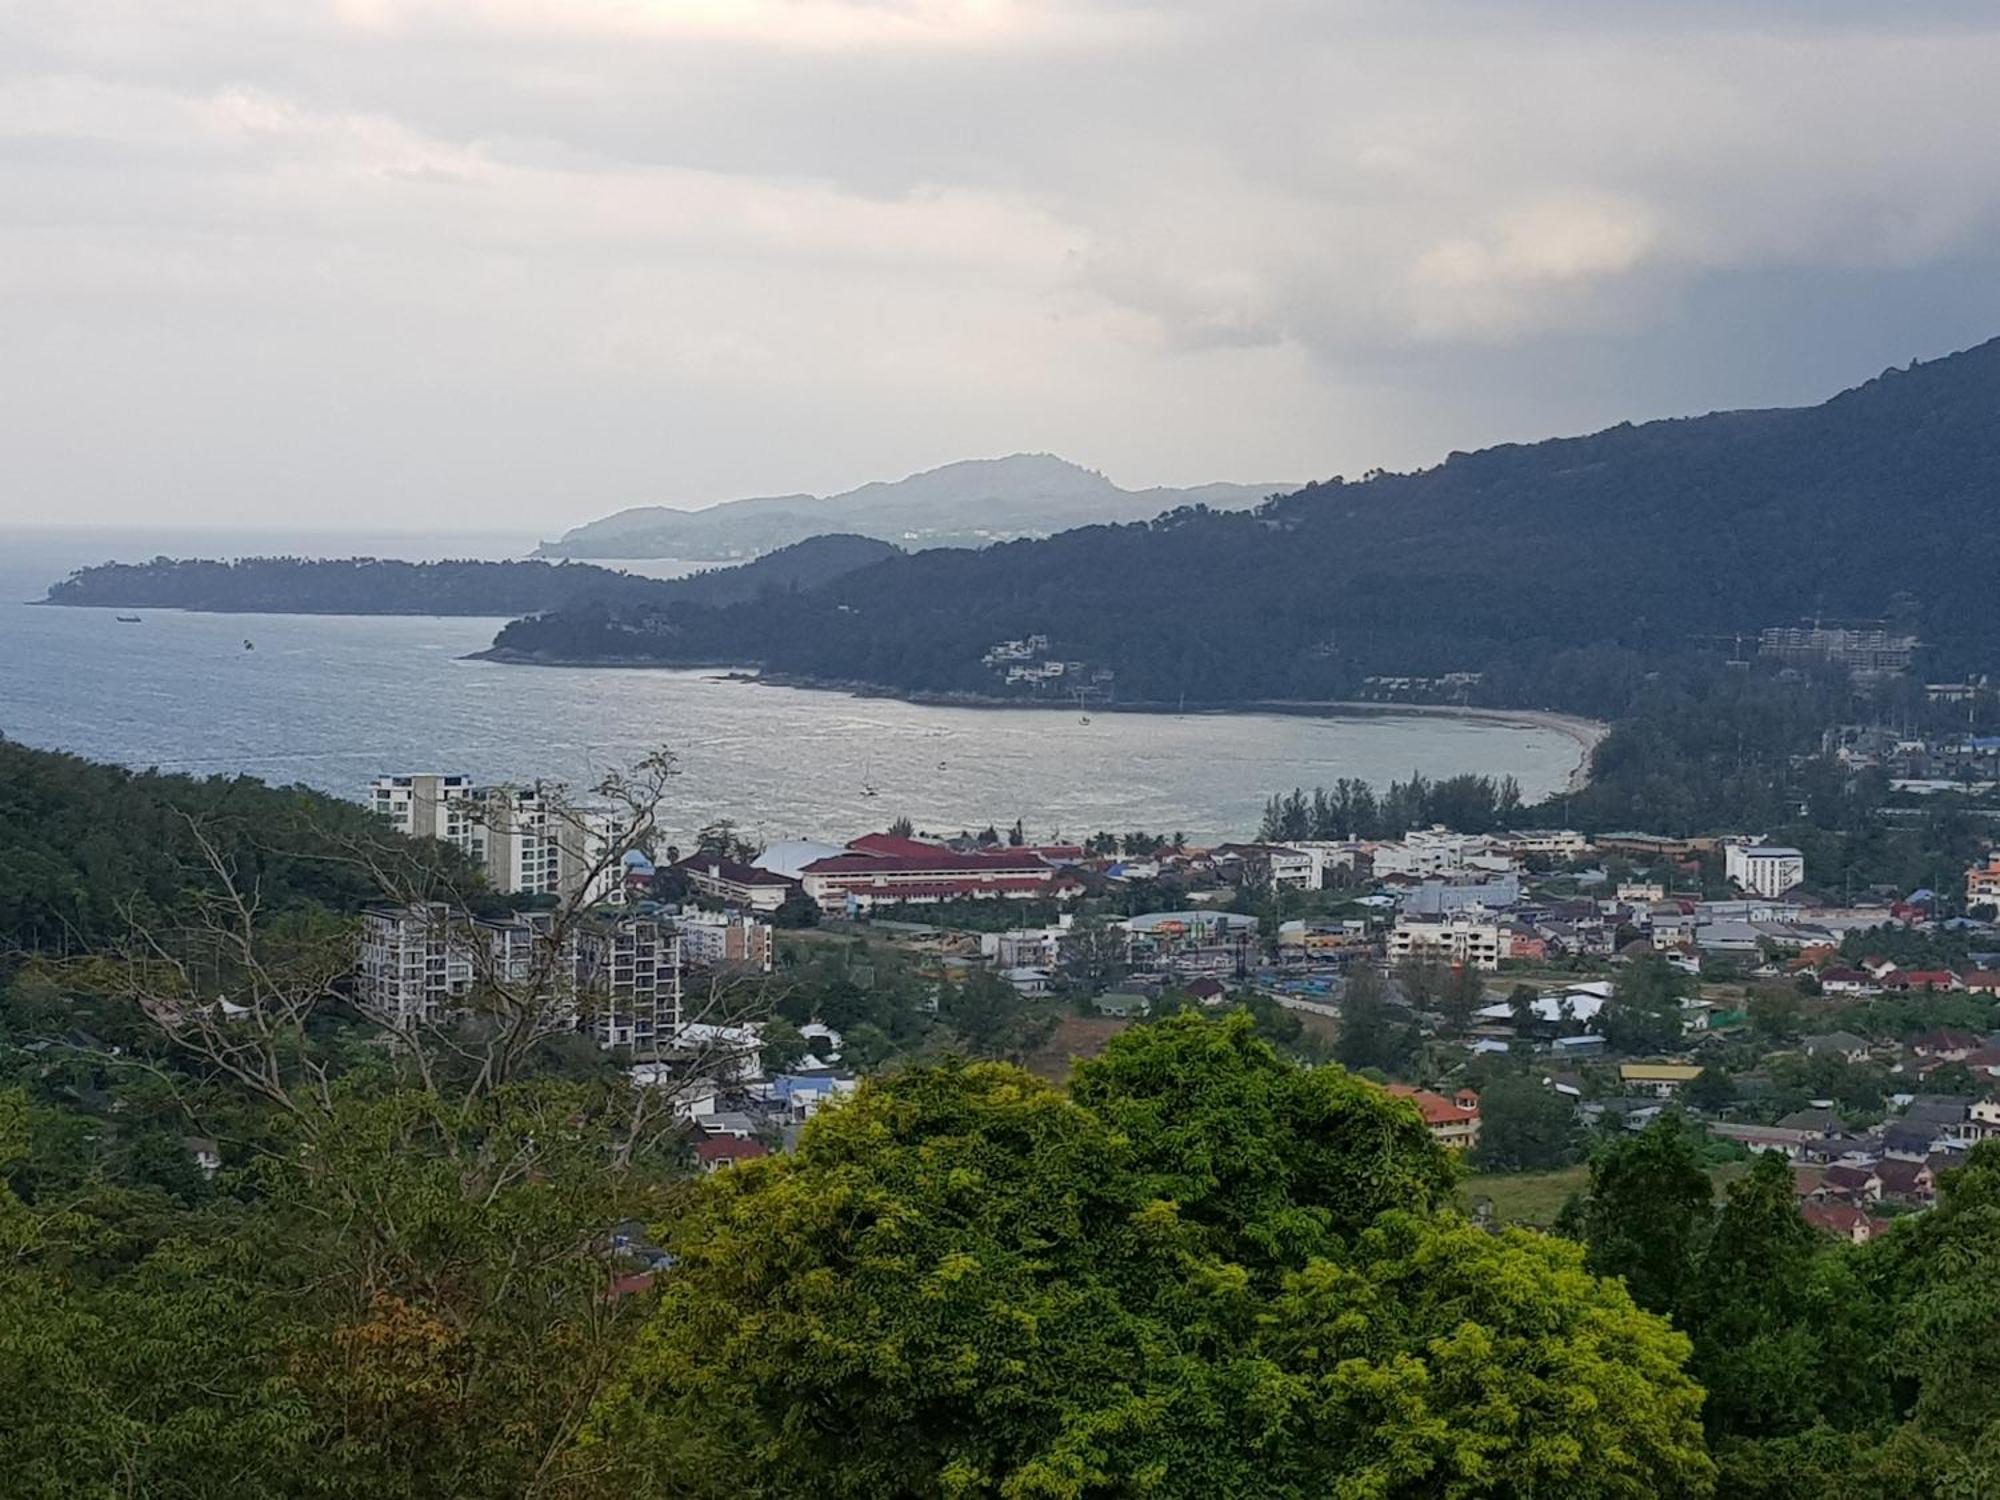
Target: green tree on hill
1202,1273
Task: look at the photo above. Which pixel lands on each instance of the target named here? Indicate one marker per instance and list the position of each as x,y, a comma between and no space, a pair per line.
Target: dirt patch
1074,1037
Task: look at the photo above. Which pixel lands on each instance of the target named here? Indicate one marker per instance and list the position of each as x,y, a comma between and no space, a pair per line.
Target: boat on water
249,645
126,619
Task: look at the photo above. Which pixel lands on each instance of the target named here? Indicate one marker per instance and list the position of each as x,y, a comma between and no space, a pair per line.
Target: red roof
1843,1219
722,1150
1948,1039
716,868
942,861
941,890
1980,979
1437,1110
1917,979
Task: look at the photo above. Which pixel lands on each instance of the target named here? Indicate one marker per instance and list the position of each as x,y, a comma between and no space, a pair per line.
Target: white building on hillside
1764,869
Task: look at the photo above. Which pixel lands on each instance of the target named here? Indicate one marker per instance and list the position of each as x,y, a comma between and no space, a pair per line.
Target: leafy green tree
1647,1212
1644,1014
1373,1033
1748,1309
1524,1126
1713,1090
1204,1273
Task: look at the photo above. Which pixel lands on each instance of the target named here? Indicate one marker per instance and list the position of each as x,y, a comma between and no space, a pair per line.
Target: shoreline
1585,733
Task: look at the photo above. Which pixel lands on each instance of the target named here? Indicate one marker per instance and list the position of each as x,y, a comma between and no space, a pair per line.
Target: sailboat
868,779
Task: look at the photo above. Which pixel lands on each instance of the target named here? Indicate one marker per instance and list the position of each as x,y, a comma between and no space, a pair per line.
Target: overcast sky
515,263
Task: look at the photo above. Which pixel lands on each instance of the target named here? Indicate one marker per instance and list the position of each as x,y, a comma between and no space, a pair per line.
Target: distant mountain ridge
1569,573
969,504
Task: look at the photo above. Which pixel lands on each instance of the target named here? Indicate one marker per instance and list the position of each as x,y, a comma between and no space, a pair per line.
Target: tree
991,1017
1645,1014
1203,1271
1713,1089
1748,1309
1774,1012
1647,1212
1524,1126
902,828
1373,1033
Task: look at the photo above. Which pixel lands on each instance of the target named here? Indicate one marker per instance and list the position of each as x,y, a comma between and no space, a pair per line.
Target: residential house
714,1152
1852,1184
1661,1080
1453,1123
1844,1221
1947,1044
1844,1045
1907,1181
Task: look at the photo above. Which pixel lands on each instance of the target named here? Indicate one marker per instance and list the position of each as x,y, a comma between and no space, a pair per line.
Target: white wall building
1453,940
1764,869
427,805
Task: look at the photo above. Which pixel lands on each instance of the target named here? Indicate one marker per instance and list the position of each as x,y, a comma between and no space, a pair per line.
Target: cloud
382,248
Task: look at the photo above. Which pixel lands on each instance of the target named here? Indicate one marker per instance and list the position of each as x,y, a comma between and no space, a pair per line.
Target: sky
445,264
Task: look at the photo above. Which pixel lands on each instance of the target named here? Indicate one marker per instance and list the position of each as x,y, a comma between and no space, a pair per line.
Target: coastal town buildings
888,869
1763,869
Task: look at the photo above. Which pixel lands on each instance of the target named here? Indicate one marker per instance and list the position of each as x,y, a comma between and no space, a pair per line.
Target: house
1844,1045
1822,1123
1207,989
736,884
1844,1221
1946,1045
1661,1080
1922,979
1453,1123
204,1153
715,1152
1907,1181
1848,982
1982,883
1852,1184
1908,1141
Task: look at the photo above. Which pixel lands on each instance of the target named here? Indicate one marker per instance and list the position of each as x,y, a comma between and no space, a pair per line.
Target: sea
334,701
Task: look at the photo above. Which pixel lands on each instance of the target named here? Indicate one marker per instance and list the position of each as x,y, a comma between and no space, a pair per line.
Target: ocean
333,701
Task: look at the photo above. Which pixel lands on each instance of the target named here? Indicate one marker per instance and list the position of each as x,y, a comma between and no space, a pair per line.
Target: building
1544,843
427,806
1766,869
525,840
718,940
1982,883
629,984
1866,653
736,884
423,964
884,869
1453,1123
1450,940
1661,1080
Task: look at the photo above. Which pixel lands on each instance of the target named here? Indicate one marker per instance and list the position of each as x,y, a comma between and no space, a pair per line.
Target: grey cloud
522,257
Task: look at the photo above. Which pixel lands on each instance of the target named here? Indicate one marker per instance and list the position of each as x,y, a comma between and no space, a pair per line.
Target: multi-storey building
1452,940
421,965
1453,1123
717,940
526,839
1764,869
629,981
1982,883
427,805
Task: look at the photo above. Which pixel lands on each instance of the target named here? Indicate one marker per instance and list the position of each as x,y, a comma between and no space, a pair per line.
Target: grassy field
1535,1198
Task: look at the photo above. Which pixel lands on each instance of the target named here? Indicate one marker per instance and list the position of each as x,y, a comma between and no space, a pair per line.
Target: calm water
335,701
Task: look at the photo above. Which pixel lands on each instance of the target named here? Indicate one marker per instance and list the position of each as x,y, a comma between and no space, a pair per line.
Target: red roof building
884,868
1845,1221
1453,1122
1946,1045
718,1151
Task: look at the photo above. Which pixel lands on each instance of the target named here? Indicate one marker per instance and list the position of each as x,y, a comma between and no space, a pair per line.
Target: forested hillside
386,586
1564,571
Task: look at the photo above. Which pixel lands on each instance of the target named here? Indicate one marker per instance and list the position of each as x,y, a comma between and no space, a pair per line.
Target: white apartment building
1438,851
527,839
422,963
630,984
1451,940
1764,869
427,805
1545,843
416,965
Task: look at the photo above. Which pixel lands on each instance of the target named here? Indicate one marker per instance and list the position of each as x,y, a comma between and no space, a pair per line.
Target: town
1623,975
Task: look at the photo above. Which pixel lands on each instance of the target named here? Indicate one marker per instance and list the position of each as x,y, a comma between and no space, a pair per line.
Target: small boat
249,645
126,619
